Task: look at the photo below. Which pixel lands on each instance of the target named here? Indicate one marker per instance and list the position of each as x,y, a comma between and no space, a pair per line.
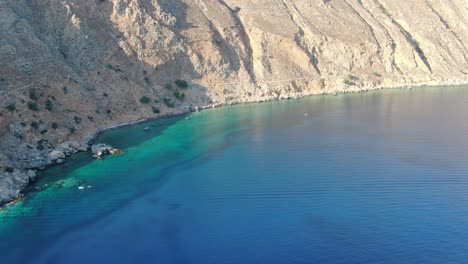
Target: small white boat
81,188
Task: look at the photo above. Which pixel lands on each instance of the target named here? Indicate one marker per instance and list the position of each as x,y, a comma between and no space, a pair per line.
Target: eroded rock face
4,162
69,68
11,185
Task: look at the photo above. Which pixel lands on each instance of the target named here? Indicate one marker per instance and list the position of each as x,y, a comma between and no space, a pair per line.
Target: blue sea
376,177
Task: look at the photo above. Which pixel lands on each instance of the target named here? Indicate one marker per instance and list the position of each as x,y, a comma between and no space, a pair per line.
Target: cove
377,177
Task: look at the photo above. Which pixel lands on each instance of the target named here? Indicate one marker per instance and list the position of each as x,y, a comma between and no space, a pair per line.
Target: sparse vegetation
168,86
77,119
71,130
33,106
35,125
49,105
168,102
147,80
42,144
179,95
145,100
376,74
115,68
54,125
105,94
33,94
65,90
11,107
350,80
9,169
181,84
155,110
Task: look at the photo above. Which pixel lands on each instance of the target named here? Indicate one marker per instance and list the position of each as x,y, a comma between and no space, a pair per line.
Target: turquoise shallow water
379,177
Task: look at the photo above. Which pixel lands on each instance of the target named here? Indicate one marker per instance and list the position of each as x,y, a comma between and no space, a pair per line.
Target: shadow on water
121,137
133,135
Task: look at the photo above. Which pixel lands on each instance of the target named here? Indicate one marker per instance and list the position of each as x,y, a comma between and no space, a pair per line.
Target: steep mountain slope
71,67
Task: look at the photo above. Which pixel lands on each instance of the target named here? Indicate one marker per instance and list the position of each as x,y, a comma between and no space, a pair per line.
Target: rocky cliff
71,67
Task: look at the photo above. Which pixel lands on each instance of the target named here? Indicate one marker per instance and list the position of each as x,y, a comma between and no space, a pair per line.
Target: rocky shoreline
15,180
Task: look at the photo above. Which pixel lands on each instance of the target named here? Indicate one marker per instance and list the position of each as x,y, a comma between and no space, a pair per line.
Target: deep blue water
378,177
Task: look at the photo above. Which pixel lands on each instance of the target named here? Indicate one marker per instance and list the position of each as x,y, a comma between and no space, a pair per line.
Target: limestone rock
56,155
32,175
4,162
101,148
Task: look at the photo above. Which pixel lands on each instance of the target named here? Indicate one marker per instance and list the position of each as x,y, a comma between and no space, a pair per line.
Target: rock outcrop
69,68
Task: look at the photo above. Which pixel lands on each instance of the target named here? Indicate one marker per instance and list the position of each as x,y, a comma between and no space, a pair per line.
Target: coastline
88,140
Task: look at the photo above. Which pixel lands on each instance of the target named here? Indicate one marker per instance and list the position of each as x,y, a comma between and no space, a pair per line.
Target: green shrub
42,144
115,68
147,80
35,125
71,130
49,105
181,83
145,100
77,119
11,107
65,90
54,125
350,80
105,94
179,95
168,86
9,169
33,94
33,106
168,102
155,110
